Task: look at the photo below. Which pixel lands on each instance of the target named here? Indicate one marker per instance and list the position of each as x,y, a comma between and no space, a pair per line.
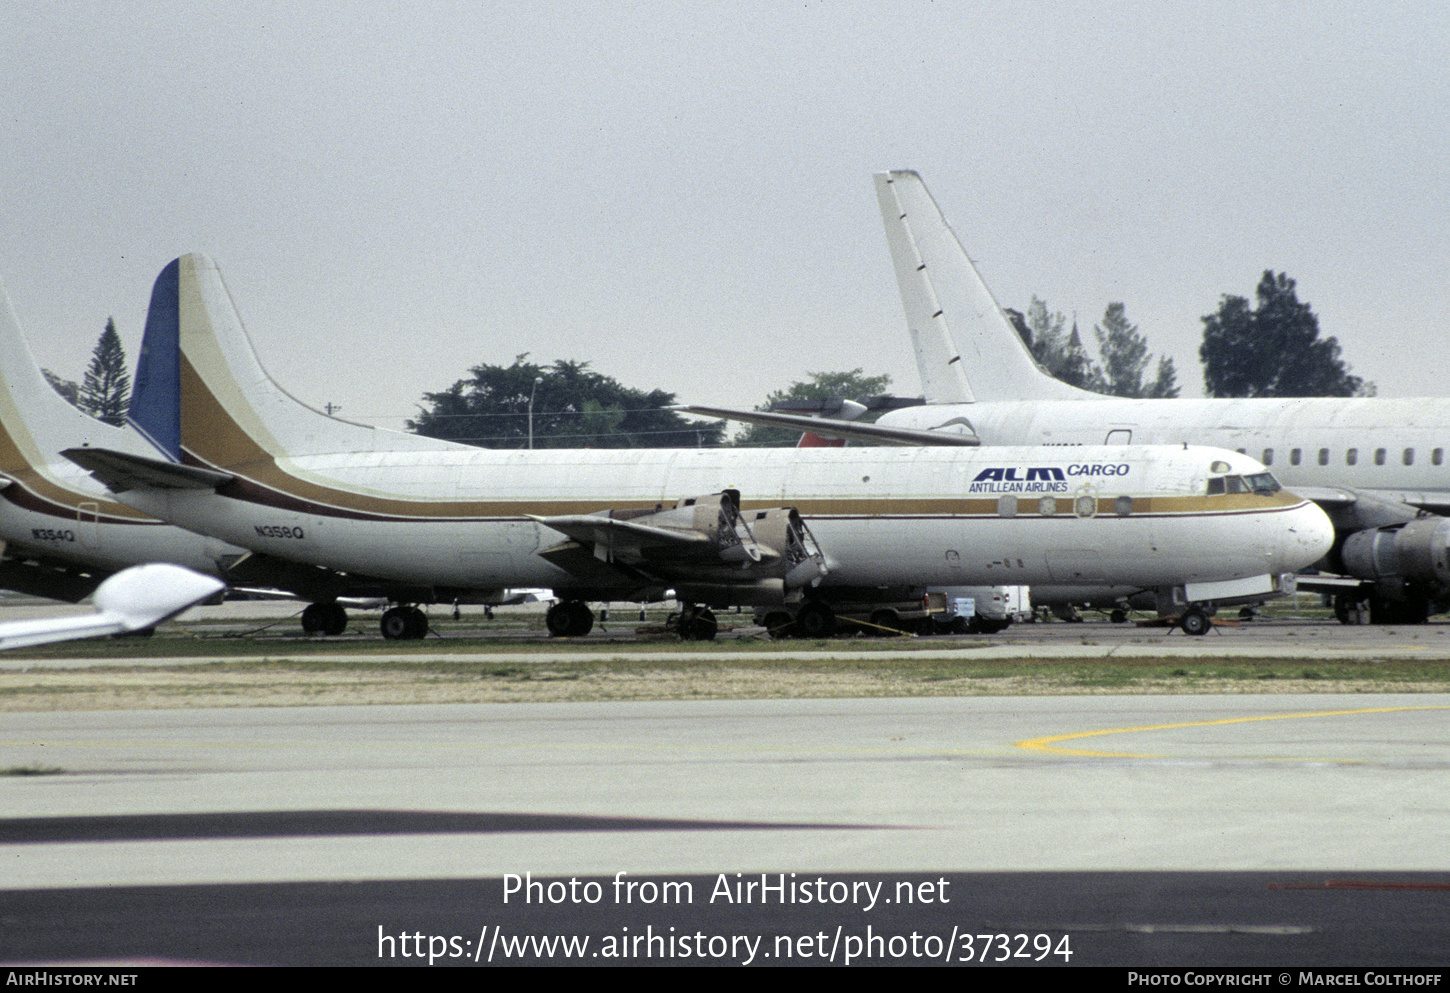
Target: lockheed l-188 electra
792,531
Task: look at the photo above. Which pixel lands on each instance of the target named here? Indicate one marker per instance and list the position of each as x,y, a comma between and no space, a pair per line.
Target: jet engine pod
1418,552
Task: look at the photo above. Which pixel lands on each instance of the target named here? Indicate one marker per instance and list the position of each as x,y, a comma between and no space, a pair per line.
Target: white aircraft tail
36,422
200,389
965,348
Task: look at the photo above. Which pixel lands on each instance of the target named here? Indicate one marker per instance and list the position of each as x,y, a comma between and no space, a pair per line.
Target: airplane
791,530
136,598
1377,466
62,533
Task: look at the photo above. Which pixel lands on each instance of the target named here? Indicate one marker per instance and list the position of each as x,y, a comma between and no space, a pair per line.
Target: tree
573,407
1123,350
106,391
853,385
1273,350
1124,355
67,388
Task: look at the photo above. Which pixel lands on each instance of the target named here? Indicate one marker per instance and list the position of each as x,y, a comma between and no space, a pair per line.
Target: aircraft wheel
571,619
778,624
1118,616
396,624
1195,622
703,626
816,620
335,622
417,624
314,618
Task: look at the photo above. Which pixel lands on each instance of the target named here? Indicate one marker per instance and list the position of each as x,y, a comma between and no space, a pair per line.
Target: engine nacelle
1417,553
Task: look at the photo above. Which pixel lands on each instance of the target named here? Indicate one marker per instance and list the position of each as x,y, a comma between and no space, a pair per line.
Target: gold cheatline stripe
214,438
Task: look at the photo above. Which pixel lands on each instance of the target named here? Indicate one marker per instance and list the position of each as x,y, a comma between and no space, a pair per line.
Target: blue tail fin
156,400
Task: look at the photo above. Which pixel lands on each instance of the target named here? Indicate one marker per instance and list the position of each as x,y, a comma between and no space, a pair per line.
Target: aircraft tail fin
36,422
965,348
203,397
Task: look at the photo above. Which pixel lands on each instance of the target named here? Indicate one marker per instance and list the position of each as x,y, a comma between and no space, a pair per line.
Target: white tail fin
965,348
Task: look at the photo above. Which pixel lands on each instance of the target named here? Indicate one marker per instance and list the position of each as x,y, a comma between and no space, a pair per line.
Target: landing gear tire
314,618
1195,622
1349,610
698,625
404,624
778,624
816,620
324,618
570,619
1118,616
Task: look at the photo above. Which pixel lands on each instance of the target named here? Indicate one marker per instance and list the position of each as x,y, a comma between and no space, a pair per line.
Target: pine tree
106,391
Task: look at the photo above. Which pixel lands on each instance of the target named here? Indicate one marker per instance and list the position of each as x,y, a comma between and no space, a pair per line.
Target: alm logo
1020,479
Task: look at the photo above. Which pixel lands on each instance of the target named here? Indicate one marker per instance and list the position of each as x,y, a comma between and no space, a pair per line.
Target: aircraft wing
135,598
605,532
1333,498
120,471
828,428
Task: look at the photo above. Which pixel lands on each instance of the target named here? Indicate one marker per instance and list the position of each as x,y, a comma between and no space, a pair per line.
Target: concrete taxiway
1051,814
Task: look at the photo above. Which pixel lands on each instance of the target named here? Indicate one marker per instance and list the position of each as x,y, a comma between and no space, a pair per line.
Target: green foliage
1122,349
106,391
1273,350
68,388
853,385
1124,355
573,407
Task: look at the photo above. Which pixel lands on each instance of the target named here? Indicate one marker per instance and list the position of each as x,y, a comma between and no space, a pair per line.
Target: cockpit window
1262,483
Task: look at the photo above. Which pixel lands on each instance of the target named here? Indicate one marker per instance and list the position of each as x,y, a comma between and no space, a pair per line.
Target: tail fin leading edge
965,348
156,399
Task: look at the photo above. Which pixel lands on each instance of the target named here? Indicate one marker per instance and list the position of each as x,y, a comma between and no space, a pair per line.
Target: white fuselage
1393,446
882,517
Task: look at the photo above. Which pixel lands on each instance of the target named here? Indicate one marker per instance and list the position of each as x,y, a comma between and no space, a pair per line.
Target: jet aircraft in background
789,530
1377,466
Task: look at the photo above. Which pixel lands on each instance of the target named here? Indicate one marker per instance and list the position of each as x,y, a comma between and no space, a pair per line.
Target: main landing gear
404,623
697,623
569,619
324,618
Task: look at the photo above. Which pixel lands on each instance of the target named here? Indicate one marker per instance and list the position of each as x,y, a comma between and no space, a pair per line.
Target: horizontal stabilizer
120,471
828,428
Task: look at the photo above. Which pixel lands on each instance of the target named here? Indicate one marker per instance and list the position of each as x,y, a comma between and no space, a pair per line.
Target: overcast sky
680,193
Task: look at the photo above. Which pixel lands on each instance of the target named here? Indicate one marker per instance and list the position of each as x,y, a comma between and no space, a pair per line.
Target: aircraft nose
1310,537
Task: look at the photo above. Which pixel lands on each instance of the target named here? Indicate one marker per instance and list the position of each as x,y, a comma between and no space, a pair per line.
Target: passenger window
1323,456
1123,505
1437,456
1379,456
1085,506
1409,457
1007,506
1047,506
1351,457
1294,456
1268,458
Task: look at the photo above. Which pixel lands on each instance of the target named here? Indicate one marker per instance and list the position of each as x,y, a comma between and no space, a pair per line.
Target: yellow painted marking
1046,744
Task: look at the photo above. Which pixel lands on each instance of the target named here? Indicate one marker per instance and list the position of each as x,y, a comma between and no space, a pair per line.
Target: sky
680,193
